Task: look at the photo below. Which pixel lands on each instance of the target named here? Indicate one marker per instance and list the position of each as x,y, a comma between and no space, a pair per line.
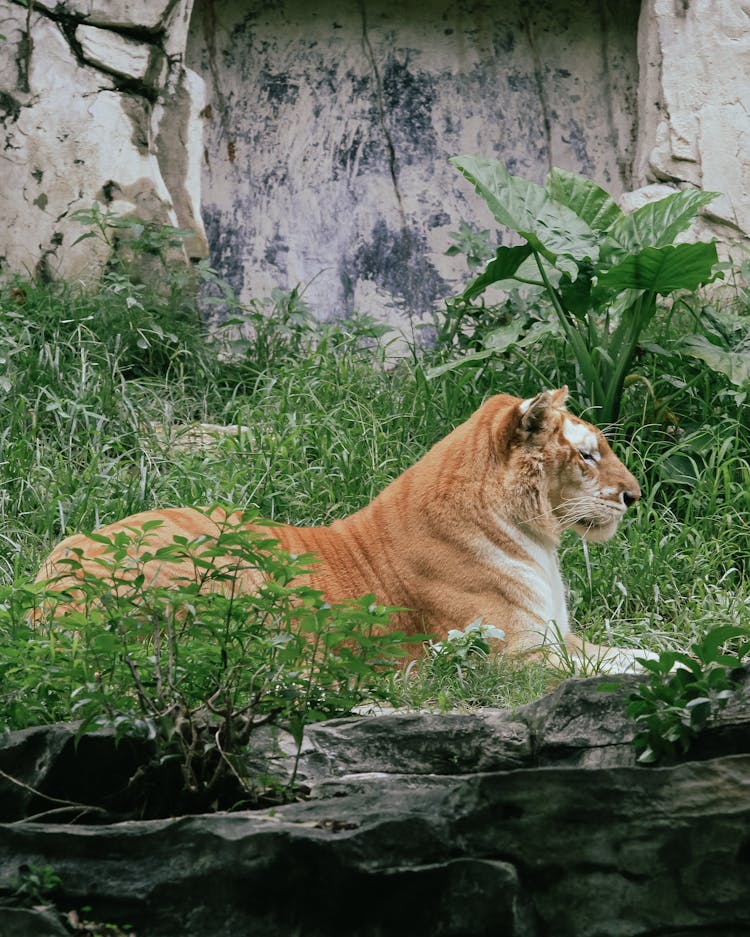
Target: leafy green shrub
463,647
322,434
197,665
462,672
37,887
473,244
34,886
149,292
599,269
723,343
685,692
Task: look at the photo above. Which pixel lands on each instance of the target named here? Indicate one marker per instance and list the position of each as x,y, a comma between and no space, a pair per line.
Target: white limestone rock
133,14
178,135
695,103
331,124
114,53
69,137
630,201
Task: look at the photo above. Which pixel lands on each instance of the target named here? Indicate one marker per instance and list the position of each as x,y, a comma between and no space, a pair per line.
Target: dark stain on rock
277,177
277,89
408,99
521,82
438,220
108,191
365,151
397,262
576,140
225,247
138,113
361,85
503,42
10,109
276,253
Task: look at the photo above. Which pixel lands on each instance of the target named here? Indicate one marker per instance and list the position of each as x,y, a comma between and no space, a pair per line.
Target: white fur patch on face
581,438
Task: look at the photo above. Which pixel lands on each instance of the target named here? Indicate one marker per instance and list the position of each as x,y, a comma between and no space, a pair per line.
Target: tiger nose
631,496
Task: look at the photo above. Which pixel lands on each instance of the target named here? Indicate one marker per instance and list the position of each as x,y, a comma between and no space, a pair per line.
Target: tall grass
324,424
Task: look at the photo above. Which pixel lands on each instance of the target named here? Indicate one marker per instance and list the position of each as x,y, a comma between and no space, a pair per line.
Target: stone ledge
524,823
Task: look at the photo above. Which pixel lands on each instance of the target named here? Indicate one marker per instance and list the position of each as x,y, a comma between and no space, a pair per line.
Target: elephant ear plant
600,269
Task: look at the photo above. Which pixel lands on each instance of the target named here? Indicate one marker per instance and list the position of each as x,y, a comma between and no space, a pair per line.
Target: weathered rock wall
332,123
319,133
694,113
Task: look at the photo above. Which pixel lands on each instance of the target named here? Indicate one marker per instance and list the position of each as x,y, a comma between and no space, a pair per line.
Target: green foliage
473,244
464,647
141,236
723,343
37,887
34,886
196,665
321,427
685,692
463,671
598,270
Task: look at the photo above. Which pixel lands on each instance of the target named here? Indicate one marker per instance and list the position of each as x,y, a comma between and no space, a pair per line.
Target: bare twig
66,804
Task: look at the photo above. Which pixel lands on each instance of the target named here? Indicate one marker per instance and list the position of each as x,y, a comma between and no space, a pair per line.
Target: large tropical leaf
551,228
734,364
498,341
503,267
657,224
663,269
576,295
590,202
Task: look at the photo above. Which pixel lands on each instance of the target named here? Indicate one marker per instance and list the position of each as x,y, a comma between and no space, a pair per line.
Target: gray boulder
529,823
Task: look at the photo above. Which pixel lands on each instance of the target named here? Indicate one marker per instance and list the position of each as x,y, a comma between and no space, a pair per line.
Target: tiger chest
531,575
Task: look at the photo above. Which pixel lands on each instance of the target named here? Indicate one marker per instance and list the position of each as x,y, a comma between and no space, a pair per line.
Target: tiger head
587,488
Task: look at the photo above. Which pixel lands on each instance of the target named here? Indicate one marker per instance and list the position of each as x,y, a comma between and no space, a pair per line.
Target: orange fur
470,531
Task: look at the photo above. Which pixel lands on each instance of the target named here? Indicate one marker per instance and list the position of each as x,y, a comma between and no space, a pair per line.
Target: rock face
694,115
332,123
526,824
88,93
328,127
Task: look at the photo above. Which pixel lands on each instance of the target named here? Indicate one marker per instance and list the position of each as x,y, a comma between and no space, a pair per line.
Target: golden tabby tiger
471,531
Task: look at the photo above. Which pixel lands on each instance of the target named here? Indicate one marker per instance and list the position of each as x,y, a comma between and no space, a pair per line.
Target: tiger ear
535,410
559,397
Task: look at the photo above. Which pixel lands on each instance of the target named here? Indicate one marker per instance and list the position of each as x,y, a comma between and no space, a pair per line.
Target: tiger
471,532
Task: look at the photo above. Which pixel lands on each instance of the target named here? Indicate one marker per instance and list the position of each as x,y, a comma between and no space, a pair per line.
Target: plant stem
643,310
580,350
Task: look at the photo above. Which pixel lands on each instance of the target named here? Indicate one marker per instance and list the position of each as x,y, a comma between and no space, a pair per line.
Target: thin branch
81,808
67,804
